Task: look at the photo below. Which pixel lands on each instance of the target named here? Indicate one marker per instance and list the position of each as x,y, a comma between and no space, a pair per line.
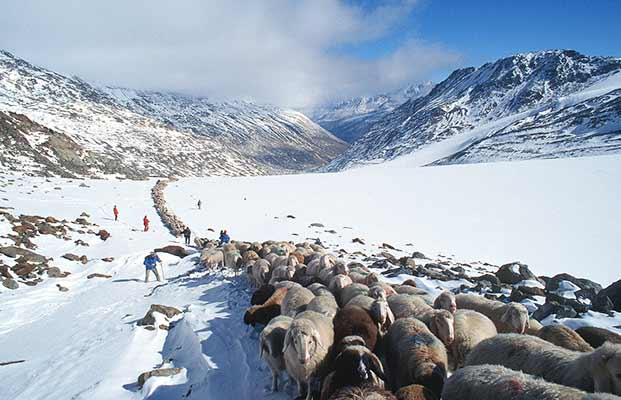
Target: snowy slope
547,104
152,134
351,118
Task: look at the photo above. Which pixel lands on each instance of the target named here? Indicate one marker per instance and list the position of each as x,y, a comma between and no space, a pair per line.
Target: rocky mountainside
139,133
351,118
546,104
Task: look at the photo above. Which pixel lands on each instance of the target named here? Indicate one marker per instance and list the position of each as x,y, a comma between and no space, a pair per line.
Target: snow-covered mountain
140,133
546,104
350,119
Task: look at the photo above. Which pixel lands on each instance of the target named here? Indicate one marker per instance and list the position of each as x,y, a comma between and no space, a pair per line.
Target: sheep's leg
309,394
274,381
300,391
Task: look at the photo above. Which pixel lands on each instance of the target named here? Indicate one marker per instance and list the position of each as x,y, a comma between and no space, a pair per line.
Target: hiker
115,211
150,262
145,221
199,204
186,234
224,237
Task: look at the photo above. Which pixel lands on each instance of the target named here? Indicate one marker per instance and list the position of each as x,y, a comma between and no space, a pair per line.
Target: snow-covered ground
554,215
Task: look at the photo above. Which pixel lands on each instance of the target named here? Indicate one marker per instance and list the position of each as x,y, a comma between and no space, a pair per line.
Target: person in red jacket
145,221
116,213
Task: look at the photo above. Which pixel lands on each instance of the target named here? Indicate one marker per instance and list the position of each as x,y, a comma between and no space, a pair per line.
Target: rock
521,293
103,234
387,246
547,309
613,292
532,291
291,216
332,231
51,220
174,250
4,271
83,259
62,288
98,275
513,273
157,372
23,269
10,283
71,257
82,221
84,214
492,279
418,254
602,303
164,327
30,256
358,240
55,272
107,259
316,225
553,283
149,319
83,185
81,242
47,229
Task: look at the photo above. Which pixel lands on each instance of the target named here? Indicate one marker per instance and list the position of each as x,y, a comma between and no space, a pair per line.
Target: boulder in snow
157,372
174,250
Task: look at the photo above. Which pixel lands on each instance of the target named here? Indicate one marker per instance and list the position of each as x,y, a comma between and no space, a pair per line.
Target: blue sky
485,30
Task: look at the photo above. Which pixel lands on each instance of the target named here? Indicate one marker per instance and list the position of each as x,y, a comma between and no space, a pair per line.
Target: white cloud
273,51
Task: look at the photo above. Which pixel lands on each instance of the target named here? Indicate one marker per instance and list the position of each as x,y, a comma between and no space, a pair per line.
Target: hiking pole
162,267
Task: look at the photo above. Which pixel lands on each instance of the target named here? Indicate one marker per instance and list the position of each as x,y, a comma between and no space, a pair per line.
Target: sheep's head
249,318
428,374
377,292
607,368
341,269
515,318
340,282
304,342
356,364
446,301
379,311
371,279
441,325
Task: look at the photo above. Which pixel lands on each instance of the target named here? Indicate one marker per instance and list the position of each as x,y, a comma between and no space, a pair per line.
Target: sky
293,53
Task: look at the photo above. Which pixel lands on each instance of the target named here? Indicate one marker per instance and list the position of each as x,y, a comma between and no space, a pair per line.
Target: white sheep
599,370
351,291
445,301
325,305
494,382
338,283
295,301
259,273
440,322
508,318
307,344
271,345
471,328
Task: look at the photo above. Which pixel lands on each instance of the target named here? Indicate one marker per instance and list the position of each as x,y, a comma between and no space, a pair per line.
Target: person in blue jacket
224,237
150,262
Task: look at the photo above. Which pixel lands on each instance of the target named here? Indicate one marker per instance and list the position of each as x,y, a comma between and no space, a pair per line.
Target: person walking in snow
145,222
150,263
224,237
115,211
199,204
186,234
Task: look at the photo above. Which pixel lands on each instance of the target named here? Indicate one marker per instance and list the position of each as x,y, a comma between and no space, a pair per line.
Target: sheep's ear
376,366
287,341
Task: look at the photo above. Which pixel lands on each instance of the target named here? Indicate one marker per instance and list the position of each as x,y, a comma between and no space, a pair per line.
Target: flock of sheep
341,333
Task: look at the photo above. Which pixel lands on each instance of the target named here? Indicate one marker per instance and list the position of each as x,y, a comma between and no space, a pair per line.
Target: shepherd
199,204
224,237
150,263
186,234
115,211
145,221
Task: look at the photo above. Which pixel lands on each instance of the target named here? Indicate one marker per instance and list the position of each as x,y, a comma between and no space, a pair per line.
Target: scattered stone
4,271
150,328
561,311
613,292
554,283
23,269
81,242
83,185
164,327
71,257
418,254
103,234
157,372
84,214
174,250
30,256
51,220
387,246
83,259
82,221
107,259
98,275
149,319
10,283
515,272
62,288
332,231
291,216
55,272
317,225
358,240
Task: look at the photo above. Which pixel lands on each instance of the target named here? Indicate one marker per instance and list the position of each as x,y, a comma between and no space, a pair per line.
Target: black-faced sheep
271,344
563,336
445,301
599,370
263,314
307,345
362,393
296,301
353,320
355,365
508,318
494,382
325,305
598,336
415,356
415,392
471,328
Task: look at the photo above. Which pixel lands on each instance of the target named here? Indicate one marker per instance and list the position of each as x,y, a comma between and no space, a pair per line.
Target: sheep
508,318
534,326
212,258
271,343
319,289
355,365
262,314
262,294
338,283
354,320
494,382
358,277
249,256
325,305
414,291
351,291
378,309
563,336
471,328
271,258
445,301
325,275
415,392
299,255
301,277
282,273
313,267
308,342
387,288
362,393
295,301
260,273
598,336
415,356
599,370
327,261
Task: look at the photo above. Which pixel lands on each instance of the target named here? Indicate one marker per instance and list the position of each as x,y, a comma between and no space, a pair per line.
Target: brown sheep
596,337
563,336
353,320
362,393
508,318
415,392
262,294
263,314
